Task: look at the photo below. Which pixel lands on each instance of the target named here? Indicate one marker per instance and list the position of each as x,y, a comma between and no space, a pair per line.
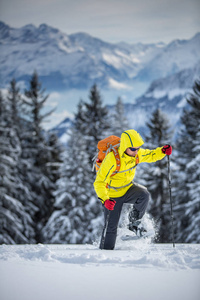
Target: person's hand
109,204
167,149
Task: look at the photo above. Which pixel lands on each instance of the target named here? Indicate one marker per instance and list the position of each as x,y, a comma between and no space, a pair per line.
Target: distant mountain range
78,60
169,94
69,61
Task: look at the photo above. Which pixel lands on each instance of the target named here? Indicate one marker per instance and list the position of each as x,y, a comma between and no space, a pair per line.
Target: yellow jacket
107,186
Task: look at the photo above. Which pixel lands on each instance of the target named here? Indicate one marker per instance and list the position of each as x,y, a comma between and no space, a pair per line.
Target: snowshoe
145,234
137,228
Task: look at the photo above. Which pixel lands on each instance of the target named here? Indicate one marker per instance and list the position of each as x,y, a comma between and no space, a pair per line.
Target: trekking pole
170,195
104,230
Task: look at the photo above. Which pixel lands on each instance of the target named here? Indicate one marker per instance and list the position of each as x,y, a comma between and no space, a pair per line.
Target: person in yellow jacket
114,191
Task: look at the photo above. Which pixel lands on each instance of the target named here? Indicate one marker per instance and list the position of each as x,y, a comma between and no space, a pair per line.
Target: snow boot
137,228
135,223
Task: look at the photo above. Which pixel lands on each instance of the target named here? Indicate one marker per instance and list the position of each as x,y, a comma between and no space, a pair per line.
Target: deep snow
136,270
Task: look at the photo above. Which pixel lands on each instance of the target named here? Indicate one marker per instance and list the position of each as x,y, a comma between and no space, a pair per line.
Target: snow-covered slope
182,81
177,56
139,270
169,94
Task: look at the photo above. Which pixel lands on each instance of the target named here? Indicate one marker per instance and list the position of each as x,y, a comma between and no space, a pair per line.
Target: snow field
135,270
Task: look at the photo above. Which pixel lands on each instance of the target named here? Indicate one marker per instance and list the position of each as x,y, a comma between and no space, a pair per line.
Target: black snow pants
137,195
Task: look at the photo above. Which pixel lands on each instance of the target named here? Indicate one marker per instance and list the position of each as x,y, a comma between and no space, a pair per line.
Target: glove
167,149
109,204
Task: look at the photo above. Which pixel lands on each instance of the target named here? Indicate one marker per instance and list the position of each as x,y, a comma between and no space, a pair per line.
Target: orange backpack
105,146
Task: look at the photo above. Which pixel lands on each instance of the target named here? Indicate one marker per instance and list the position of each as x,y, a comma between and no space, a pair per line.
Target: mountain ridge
78,60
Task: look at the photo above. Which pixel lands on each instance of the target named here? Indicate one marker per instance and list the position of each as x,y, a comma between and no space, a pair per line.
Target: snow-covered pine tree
118,119
36,152
79,213
188,159
156,175
16,223
55,150
71,222
14,97
92,120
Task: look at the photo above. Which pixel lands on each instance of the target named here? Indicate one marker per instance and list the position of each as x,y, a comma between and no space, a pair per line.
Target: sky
113,21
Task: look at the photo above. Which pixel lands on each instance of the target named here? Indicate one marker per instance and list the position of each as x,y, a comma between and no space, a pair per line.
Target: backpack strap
136,163
117,157
115,172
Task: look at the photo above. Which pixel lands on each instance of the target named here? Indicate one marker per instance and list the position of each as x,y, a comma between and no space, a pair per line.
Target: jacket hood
130,138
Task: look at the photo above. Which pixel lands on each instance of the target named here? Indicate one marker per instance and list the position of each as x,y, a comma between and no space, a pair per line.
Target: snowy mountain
177,56
62,130
78,60
66,61
169,94
71,63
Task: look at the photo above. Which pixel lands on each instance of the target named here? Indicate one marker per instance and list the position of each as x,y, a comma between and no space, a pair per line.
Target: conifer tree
71,222
118,119
156,175
15,100
188,158
16,223
92,121
54,158
37,154
78,211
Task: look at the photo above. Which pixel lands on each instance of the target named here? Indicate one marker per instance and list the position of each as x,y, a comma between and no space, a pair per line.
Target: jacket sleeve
108,166
149,156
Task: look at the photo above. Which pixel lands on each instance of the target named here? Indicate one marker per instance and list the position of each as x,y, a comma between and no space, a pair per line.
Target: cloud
111,20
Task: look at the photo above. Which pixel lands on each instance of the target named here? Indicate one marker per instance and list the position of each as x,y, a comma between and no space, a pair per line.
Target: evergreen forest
46,188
